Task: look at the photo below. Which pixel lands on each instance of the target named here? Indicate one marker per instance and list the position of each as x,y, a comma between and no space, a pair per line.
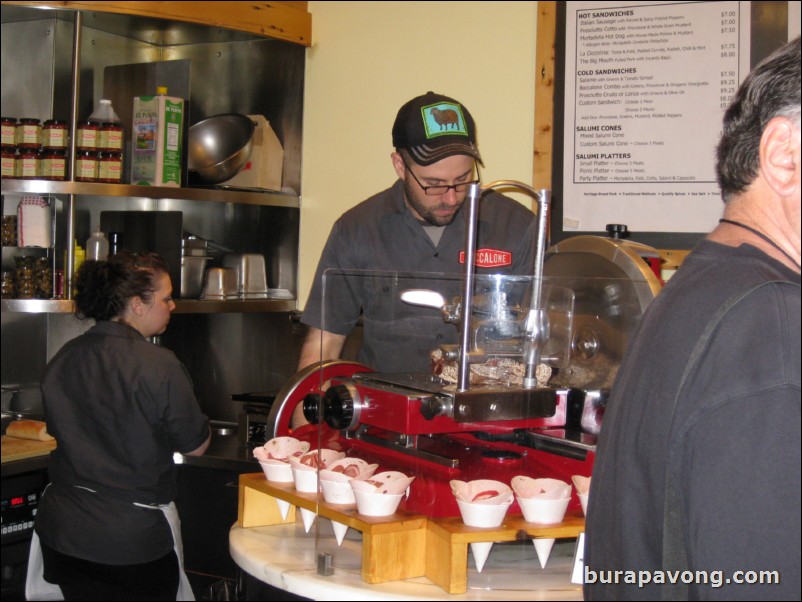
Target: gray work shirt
119,407
378,248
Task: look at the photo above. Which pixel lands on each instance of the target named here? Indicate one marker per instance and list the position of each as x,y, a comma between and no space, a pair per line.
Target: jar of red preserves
110,168
85,166
29,163
55,133
111,138
9,137
54,164
87,137
29,133
9,162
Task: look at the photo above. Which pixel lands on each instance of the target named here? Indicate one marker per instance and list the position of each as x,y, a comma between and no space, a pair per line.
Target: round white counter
285,557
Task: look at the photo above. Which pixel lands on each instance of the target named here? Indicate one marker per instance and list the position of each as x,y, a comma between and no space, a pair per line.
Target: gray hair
771,90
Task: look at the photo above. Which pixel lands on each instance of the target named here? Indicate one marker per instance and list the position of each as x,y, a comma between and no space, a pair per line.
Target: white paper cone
339,531
305,480
277,472
583,499
481,550
335,492
376,504
482,515
543,549
308,517
543,511
284,508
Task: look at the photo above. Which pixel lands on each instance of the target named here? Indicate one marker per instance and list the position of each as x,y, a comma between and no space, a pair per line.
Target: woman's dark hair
770,90
103,288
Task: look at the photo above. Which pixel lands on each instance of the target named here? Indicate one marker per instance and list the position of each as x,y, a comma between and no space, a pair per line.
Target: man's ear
398,165
779,154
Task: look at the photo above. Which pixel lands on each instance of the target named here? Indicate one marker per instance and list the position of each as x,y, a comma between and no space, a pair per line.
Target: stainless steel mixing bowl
219,147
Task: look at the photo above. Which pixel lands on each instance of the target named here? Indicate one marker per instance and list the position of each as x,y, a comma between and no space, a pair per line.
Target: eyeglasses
439,189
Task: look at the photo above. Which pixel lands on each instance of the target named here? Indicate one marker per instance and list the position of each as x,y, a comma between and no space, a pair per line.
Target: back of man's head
772,89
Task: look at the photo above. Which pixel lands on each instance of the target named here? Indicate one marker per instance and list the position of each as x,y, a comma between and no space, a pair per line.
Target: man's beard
428,213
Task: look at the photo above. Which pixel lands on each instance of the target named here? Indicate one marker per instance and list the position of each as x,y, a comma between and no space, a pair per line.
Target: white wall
369,58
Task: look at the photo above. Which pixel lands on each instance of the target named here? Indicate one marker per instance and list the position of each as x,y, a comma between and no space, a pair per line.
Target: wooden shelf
289,21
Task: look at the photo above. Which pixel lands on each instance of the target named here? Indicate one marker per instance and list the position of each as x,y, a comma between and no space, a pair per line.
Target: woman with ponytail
119,407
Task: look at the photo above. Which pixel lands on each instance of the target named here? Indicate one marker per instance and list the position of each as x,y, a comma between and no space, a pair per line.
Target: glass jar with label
85,166
55,133
29,133
54,164
87,136
9,162
111,138
8,287
9,137
110,167
29,164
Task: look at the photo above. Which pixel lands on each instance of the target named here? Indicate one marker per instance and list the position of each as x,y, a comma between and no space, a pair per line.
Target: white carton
156,147
263,169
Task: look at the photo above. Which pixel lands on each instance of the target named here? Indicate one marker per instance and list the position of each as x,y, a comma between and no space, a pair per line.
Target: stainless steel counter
226,452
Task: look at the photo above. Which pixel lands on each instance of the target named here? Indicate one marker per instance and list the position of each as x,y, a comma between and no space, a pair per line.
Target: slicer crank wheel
308,380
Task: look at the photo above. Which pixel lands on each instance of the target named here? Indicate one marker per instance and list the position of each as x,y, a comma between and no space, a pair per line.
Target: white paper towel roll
33,222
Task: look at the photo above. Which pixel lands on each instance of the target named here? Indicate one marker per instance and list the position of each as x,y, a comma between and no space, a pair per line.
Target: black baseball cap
432,127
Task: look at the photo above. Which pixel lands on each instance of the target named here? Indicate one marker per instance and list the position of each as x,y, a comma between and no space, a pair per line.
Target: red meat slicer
574,314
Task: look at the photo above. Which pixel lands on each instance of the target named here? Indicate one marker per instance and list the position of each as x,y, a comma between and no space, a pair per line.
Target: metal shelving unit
182,306
220,195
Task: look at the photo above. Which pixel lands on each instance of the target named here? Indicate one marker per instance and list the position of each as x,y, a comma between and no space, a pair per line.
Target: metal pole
464,369
534,335
69,209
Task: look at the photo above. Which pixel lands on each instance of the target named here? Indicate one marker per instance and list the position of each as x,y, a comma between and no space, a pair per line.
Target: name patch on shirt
489,258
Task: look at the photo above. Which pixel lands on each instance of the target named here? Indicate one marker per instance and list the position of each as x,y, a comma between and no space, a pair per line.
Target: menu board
645,88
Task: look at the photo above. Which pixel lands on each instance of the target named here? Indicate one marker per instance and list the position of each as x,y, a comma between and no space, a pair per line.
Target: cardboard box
156,148
264,167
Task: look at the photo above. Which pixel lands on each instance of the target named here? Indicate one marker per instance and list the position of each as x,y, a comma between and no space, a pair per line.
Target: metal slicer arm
535,322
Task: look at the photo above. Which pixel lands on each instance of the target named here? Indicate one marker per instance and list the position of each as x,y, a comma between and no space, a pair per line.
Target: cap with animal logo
432,127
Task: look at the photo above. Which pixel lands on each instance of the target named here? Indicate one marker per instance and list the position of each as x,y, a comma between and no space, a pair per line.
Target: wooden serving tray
393,546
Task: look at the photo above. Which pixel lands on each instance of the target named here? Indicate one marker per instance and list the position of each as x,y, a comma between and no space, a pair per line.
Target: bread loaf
29,429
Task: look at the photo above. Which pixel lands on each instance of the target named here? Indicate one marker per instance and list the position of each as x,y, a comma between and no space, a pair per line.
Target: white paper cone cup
545,512
305,480
335,492
277,473
339,531
377,504
284,508
543,549
308,517
482,515
583,500
480,551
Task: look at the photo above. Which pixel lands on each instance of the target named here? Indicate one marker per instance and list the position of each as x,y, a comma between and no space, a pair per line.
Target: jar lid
55,122
29,119
14,119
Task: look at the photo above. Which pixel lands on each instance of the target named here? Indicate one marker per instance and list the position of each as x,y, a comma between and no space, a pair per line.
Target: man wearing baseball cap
417,225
